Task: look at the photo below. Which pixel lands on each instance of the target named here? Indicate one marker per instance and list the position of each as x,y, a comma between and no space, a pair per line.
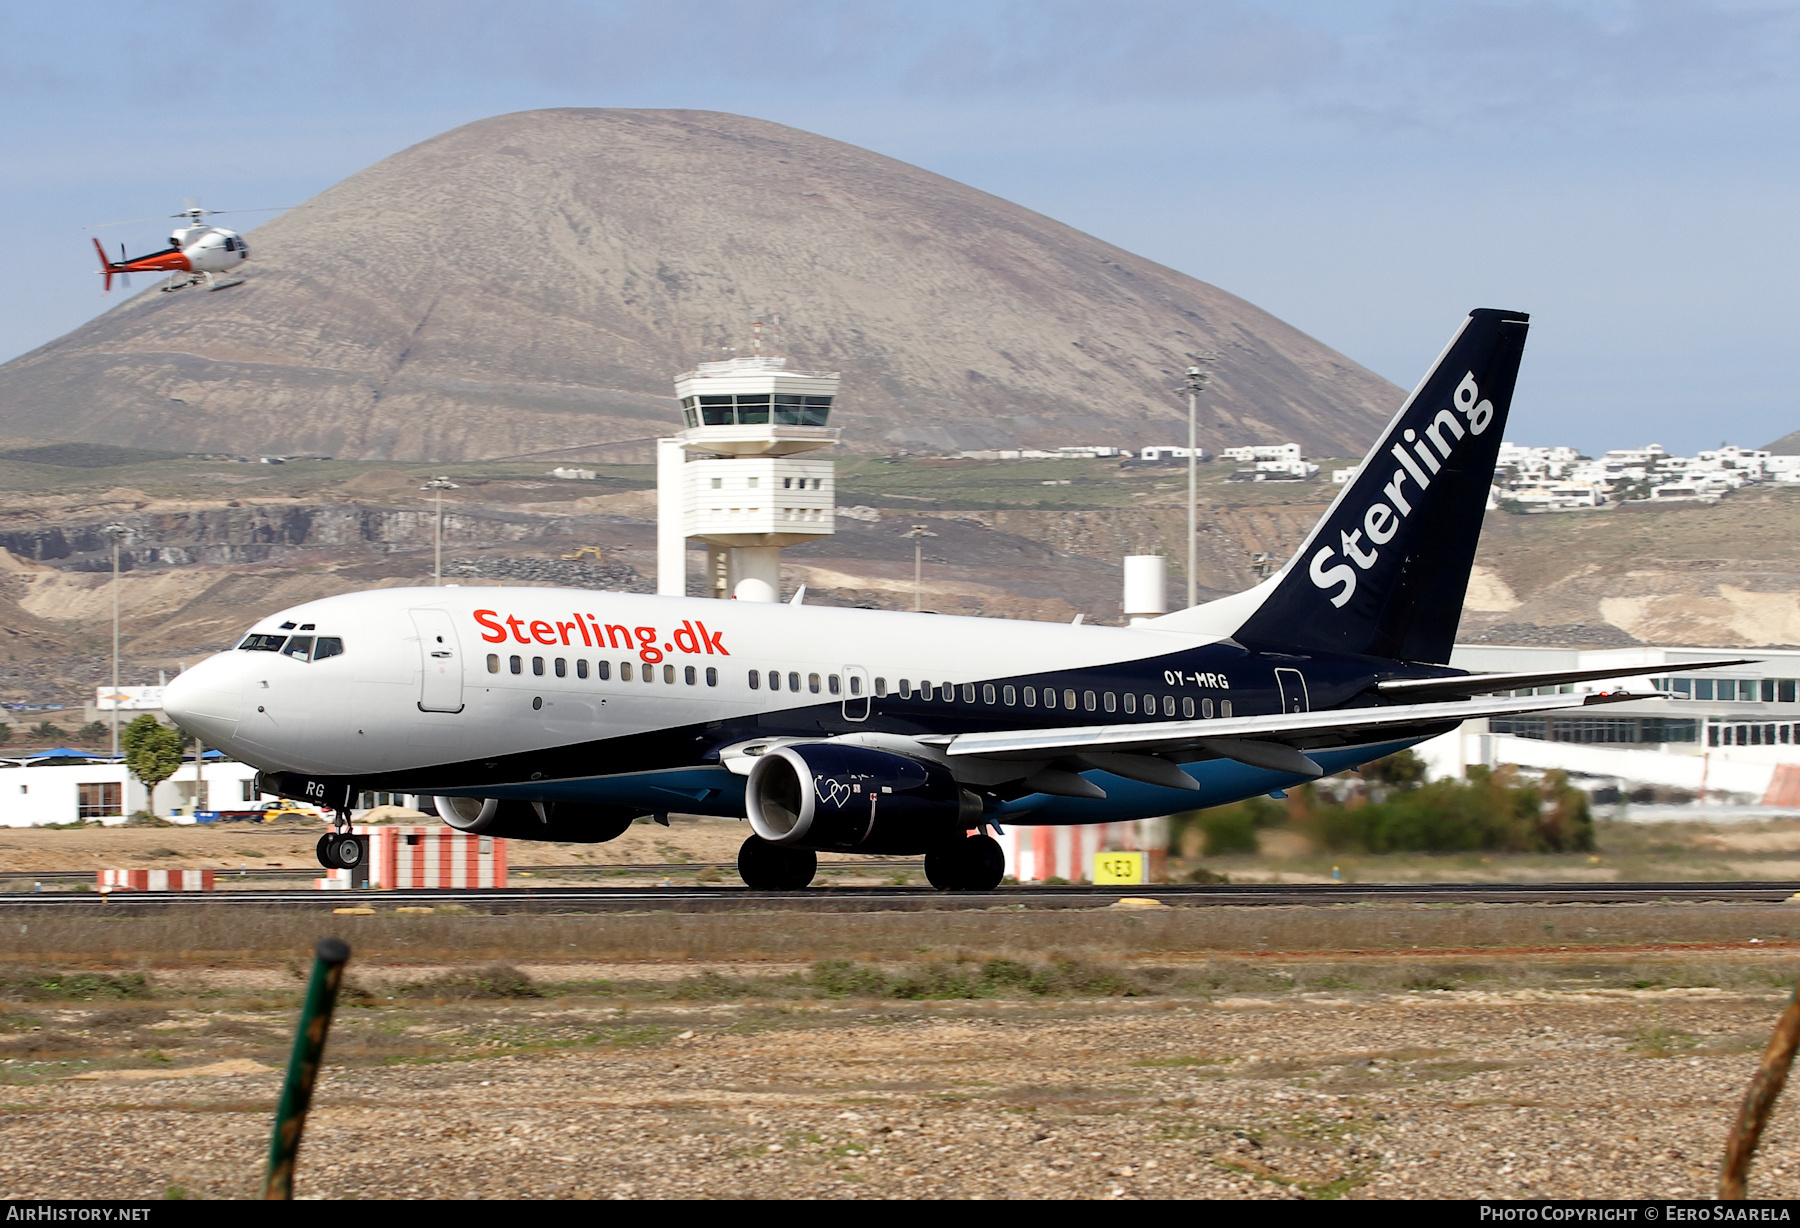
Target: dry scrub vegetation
962,1074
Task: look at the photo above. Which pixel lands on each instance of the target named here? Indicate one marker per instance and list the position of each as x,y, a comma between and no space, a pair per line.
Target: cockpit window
327,646
299,647
262,643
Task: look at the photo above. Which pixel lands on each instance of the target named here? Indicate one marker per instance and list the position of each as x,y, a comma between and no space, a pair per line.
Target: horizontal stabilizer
1487,684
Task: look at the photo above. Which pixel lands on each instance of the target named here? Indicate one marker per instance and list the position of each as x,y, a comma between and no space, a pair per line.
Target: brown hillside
534,281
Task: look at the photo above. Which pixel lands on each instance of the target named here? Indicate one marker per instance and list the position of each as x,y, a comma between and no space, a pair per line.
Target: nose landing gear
340,850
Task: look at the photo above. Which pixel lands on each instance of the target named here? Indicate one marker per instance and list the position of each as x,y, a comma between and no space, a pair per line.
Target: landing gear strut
976,863
769,867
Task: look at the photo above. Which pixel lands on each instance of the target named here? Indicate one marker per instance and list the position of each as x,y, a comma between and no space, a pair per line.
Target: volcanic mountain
534,282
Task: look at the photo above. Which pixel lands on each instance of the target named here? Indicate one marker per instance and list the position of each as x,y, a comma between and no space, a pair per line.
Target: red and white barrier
417,857
334,880
155,880
1034,854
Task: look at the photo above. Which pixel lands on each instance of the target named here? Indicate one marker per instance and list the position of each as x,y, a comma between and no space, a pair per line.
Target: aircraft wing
1273,742
1484,684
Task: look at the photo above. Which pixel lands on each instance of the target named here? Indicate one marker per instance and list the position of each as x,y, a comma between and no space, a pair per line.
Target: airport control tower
735,478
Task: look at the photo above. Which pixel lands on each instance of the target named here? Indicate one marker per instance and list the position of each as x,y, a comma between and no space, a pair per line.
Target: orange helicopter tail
106,267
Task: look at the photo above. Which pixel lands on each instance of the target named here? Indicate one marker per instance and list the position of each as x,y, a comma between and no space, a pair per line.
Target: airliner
567,714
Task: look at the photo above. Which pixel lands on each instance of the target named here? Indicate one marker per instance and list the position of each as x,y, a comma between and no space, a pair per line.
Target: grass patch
40,985
496,980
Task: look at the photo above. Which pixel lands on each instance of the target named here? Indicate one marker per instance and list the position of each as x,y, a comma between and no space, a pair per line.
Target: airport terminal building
1726,735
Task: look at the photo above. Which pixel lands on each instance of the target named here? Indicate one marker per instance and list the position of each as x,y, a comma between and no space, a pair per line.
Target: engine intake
822,795
567,822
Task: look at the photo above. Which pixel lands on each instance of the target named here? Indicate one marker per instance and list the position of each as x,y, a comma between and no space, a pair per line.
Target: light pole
1195,381
438,486
115,531
919,533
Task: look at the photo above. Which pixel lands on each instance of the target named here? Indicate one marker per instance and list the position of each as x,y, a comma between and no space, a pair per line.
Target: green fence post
303,1067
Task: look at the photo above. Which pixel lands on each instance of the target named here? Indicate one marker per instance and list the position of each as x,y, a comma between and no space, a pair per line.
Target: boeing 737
566,714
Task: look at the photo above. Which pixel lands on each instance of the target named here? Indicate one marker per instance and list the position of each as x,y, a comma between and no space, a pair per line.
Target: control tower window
690,411
715,411
753,410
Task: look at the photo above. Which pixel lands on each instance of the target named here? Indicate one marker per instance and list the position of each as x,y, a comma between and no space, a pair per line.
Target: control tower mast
735,478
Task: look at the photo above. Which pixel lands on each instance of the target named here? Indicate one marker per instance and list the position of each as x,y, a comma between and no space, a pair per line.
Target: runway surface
907,899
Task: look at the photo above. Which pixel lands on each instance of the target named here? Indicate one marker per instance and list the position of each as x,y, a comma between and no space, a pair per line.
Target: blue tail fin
1384,572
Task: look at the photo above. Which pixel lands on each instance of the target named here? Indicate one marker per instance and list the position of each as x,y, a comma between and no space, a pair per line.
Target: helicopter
197,254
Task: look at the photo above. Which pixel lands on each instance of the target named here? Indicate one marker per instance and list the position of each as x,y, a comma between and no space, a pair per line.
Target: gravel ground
1527,1093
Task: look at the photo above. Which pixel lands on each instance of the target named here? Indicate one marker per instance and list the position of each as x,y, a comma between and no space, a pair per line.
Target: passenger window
493,662
1149,705
692,675
332,646
299,648
1069,700
968,692
1031,697
774,680
1110,702
755,679
1089,700
947,692
880,688
650,673
1130,702
603,670
1050,697
624,671
580,668
1168,705
925,691
794,681
1206,708
812,683
855,684
1187,706
562,668
537,666
905,688
1224,707
515,664
669,674
988,694
712,676
833,684
1009,696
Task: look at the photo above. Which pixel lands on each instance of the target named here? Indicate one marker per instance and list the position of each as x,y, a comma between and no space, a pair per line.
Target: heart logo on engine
835,792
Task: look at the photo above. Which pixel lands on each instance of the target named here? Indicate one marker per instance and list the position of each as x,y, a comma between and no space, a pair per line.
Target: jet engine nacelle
569,822
823,795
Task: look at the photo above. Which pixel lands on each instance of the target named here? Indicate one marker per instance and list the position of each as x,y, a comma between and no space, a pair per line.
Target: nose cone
206,701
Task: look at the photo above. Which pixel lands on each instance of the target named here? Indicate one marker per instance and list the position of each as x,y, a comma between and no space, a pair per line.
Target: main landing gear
974,864
769,867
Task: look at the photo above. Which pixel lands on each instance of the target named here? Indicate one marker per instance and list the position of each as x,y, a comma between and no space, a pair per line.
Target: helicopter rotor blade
124,278
129,222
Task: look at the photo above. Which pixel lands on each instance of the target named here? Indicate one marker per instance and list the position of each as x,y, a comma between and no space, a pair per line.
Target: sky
1624,170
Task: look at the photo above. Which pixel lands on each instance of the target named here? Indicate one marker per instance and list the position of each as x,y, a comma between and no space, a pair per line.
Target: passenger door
1293,690
440,662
